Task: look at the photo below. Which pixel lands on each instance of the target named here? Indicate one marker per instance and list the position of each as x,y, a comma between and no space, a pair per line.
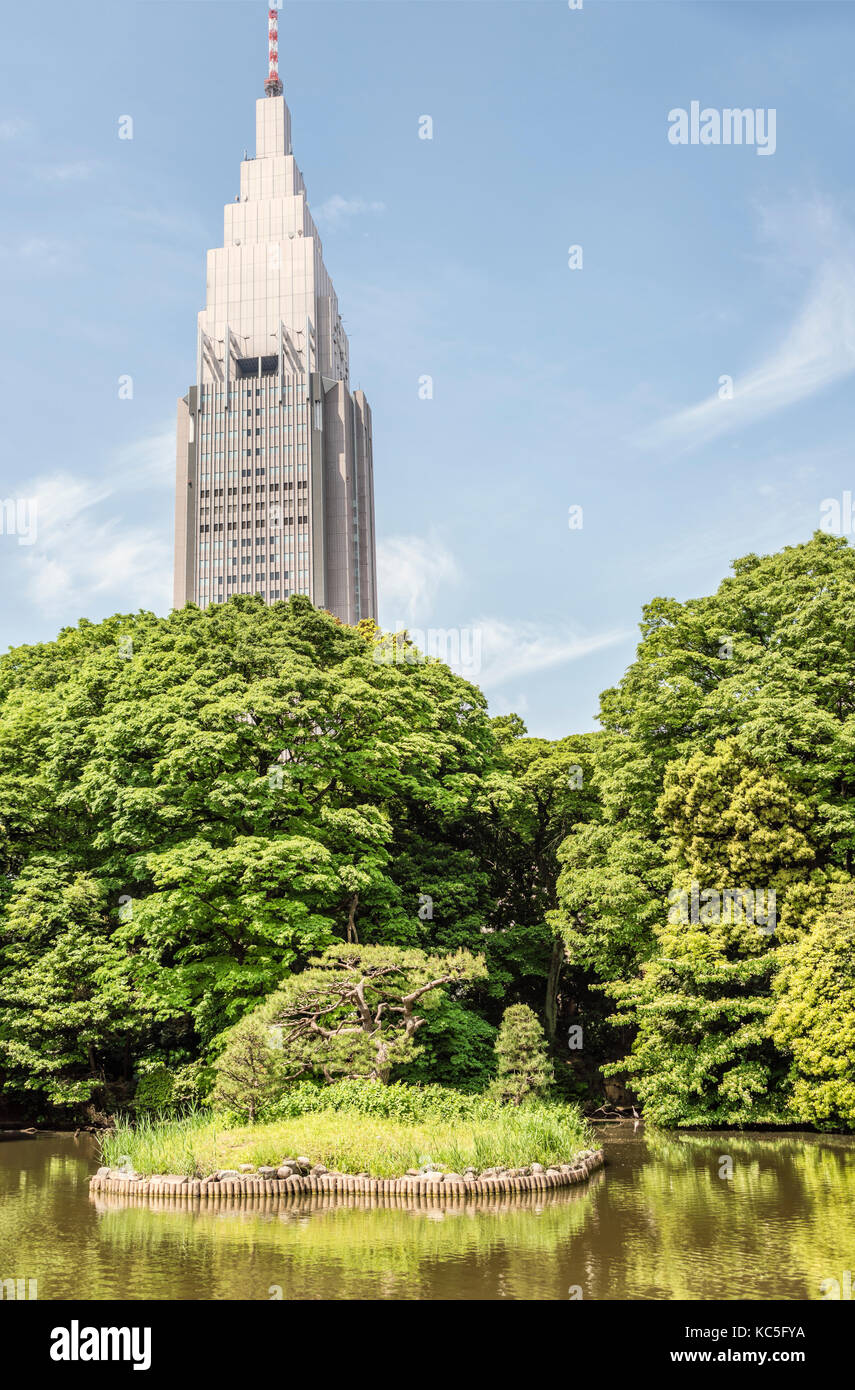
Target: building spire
273,87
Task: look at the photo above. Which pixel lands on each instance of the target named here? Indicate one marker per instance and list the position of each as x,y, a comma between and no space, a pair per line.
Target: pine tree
523,1066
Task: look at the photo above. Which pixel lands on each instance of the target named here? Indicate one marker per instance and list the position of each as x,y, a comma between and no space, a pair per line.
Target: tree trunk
351,920
553,980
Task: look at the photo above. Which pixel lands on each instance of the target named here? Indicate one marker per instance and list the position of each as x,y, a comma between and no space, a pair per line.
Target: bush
155,1091
396,1101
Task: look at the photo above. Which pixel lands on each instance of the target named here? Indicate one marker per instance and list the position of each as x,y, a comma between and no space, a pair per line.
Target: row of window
261,472
206,526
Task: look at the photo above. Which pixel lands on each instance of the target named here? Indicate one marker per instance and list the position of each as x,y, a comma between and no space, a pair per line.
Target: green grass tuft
354,1135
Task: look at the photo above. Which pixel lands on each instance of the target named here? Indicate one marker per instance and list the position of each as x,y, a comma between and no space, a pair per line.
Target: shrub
155,1091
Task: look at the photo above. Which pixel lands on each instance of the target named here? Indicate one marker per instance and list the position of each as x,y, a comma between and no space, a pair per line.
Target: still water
657,1223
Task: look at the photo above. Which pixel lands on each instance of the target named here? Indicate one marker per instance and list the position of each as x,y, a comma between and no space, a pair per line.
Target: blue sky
552,387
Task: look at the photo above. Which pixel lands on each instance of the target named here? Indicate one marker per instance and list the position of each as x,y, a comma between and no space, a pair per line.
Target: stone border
449,1186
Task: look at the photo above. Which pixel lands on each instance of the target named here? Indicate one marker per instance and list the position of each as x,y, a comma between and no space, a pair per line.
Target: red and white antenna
273,87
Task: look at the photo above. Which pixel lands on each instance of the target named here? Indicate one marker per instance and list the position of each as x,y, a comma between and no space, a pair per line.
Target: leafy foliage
355,1011
258,813
814,1014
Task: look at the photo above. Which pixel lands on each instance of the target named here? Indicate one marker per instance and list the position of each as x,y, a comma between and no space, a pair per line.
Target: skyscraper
274,478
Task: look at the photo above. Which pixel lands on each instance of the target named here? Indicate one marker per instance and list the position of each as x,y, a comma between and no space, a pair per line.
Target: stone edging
446,1185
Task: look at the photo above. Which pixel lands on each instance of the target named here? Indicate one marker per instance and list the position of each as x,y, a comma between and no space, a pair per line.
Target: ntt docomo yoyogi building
274,485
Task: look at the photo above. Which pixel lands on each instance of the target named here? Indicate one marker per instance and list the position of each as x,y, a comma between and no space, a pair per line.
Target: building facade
274,478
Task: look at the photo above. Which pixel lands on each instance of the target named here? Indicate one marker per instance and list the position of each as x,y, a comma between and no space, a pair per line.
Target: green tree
814,1015
237,787
523,1068
765,662
541,792
729,733
68,1000
249,1072
356,1010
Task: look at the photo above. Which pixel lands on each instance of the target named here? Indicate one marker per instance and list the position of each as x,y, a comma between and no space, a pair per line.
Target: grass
353,1142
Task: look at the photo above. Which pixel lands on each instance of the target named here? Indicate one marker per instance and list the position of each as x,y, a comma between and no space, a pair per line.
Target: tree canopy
203,813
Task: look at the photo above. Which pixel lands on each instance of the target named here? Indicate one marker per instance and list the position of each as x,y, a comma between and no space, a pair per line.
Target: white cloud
338,209
411,570
817,349
13,127
88,556
411,574
514,650
72,172
149,462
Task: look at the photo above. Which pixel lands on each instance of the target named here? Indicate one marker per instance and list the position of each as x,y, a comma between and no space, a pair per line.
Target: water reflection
660,1222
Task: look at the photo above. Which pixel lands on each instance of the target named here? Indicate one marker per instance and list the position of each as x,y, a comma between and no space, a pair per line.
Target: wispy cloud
511,650
90,553
72,172
338,209
817,349
411,570
13,127
42,253
149,462
412,573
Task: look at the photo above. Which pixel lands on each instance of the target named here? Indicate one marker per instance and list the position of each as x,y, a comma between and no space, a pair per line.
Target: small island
356,1133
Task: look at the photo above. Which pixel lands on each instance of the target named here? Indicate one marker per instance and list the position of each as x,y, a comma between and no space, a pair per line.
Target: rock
175,1179
432,1175
102,1172
304,1162
212,1177
319,1170
537,1168
452,1177
227,1174
267,1172
246,1167
412,1173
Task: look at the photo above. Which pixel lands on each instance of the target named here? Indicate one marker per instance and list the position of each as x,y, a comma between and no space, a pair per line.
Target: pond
698,1216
